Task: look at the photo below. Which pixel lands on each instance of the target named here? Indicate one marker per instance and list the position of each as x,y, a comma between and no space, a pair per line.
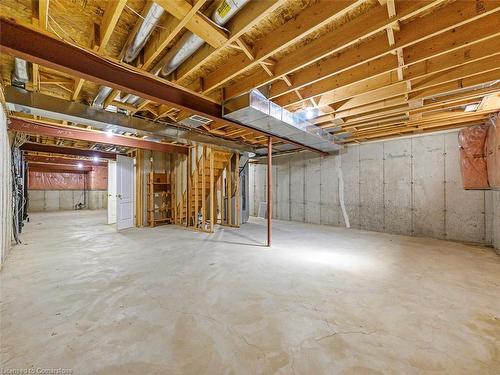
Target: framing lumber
212,186
238,193
59,55
253,13
108,24
306,22
196,22
327,44
158,42
62,160
203,189
447,35
43,167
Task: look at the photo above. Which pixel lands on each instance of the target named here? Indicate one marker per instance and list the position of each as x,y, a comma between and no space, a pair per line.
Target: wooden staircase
199,187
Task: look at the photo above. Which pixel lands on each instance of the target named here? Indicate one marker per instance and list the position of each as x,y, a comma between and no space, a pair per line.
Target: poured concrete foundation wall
408,186
65,200
5,189
496,220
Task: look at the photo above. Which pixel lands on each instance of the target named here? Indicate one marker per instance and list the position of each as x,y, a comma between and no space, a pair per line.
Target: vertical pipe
269,190
212,193
229,192
195,187
238,194
188,188
203,189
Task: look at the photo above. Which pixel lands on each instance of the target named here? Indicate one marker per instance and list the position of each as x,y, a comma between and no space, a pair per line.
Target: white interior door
124,192
111,192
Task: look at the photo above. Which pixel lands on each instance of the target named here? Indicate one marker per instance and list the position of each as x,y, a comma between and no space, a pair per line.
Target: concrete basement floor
324,300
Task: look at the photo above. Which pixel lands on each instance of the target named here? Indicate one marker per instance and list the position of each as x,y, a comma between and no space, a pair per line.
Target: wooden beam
212,186
108,23
42,167
203,189
77,61
316,80
43,14
62,160
198,23
349,34
158,42
305,23
252,14
351,82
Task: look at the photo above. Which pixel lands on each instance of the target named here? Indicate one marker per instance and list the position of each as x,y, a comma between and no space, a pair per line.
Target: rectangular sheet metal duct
57,54
35,103
256,110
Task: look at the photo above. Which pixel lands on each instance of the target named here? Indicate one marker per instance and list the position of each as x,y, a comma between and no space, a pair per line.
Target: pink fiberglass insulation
492,153
472,141
97,179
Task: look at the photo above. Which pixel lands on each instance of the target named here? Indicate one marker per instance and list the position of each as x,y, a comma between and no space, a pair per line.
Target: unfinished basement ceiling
358,70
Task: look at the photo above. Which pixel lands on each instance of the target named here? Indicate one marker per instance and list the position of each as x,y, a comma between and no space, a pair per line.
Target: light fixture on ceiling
471,107
95,159
310,113
80,165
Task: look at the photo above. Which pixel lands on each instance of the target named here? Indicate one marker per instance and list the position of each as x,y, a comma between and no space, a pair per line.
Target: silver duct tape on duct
255,110
38,104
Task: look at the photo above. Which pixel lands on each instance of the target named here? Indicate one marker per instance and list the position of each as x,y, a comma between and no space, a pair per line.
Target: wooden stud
203,189
229,191
212,185
238,194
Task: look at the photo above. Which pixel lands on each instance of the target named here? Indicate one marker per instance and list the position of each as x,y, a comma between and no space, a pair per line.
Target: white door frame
111,192
125,192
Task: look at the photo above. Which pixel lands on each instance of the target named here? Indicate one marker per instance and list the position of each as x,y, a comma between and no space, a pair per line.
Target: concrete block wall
65,200
409,186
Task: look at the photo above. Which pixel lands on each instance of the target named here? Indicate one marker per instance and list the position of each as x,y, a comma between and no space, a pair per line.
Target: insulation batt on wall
97,179
493,153
473,158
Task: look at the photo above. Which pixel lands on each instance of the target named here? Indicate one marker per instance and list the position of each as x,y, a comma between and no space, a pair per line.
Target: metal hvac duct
35,103
255,110
20,72
147,26
185,47
190,43
132,49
